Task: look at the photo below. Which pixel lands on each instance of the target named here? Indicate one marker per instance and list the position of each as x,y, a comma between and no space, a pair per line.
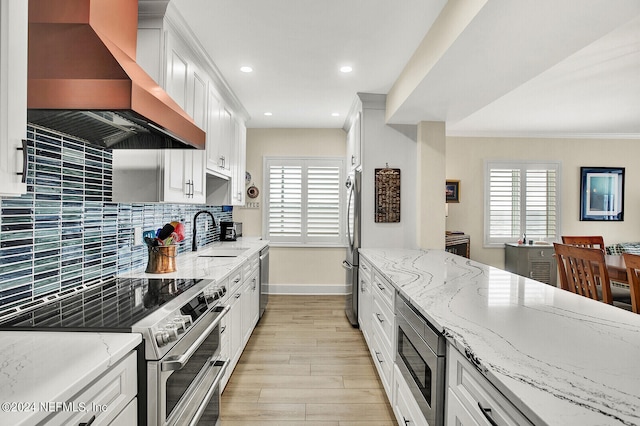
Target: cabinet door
235,326
239,167
457,414
214,129
404,404
354,143
13,93
364,306
176,184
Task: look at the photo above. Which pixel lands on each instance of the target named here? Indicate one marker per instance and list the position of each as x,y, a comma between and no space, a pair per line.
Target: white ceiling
543,68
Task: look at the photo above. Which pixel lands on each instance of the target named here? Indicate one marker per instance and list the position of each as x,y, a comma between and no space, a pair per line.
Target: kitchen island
561,359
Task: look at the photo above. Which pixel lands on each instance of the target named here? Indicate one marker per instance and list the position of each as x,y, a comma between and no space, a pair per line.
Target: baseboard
308,289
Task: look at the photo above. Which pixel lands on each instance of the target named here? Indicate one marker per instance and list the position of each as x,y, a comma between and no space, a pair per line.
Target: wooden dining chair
593,241
583,271
633,267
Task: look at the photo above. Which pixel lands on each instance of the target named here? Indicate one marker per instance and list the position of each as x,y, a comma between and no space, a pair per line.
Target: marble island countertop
202,263
562,359
39,368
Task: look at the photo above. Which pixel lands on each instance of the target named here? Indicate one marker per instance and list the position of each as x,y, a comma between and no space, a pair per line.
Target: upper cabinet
170,54
353,127
13,94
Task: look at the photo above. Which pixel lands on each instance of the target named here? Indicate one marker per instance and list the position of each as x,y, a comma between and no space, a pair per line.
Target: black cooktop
113,305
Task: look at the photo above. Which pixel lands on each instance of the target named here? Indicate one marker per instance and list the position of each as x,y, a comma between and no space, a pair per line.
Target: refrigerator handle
346,265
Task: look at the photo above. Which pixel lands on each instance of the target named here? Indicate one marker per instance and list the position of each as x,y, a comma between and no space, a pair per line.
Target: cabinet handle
406,422
381,287
222,329
25,157
378,357
237,280
378,316
487,414
238,296
91,420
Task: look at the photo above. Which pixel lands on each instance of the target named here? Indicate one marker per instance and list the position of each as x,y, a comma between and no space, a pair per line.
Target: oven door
423,371
184,385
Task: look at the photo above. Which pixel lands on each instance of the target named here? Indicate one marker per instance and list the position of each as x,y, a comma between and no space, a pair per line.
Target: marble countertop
198,264
43,367
562,359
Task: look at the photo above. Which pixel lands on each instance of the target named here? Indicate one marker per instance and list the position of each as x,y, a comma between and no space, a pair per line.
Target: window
304,201
521,198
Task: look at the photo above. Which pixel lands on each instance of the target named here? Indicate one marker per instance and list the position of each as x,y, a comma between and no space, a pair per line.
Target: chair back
593,241
632,261
582,270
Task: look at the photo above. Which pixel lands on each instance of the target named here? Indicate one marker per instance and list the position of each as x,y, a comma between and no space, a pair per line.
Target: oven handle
210,393
181,361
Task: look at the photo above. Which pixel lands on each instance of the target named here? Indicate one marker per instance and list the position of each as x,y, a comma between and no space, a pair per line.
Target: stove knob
172,332
180,323
162,337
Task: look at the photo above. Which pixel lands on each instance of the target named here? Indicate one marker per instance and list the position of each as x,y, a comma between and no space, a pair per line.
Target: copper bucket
162,259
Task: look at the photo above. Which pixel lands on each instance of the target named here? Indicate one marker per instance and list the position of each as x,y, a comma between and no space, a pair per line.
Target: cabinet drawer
457,414
250,266
384,289
542,253
365,269
105,398
383,361
405,406
481,399
235,279
383,319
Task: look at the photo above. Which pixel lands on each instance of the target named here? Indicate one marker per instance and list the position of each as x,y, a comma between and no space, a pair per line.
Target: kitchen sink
222,252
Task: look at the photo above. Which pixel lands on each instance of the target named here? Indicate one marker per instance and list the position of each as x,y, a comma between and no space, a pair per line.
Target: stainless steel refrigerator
350,264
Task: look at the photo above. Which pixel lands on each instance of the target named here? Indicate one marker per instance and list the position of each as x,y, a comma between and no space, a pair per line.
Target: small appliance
230,231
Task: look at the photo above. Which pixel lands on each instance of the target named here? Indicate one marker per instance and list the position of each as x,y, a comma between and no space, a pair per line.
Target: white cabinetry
375,308
365,300
111,399
169,53
244,301
354,141
472,399
13,93
404,404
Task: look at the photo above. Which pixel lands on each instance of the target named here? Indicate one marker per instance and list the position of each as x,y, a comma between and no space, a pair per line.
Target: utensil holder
162,259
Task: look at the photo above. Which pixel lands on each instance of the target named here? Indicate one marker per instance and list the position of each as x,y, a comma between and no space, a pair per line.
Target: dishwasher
264,279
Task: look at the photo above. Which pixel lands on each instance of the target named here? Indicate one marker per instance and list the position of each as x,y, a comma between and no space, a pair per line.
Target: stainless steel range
179,360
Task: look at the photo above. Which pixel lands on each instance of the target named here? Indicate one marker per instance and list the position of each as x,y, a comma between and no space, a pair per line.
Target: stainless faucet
194,243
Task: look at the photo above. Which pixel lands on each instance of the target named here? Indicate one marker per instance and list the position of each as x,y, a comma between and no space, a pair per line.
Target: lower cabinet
109,400
473,400
238,324
404,404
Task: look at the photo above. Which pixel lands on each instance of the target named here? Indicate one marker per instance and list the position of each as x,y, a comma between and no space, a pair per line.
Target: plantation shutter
285,202
521,198
304,201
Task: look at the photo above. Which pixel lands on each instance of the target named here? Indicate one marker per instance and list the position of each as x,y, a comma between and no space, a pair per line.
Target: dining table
617,268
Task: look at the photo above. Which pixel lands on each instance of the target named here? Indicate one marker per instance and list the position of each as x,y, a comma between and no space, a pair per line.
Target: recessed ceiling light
346,69
335,114
246,69
268,113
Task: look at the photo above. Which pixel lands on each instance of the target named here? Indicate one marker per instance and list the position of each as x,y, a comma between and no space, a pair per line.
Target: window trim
304,162
488,241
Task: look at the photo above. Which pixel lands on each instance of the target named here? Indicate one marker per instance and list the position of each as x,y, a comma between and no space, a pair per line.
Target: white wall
465,161
299,270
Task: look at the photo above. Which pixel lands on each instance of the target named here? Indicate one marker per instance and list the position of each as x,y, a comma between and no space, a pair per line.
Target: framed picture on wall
452,191
602,193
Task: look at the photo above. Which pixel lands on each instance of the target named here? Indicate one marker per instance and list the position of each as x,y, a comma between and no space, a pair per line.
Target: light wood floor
305,365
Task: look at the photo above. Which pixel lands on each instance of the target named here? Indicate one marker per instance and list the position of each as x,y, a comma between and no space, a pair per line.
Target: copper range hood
83,79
